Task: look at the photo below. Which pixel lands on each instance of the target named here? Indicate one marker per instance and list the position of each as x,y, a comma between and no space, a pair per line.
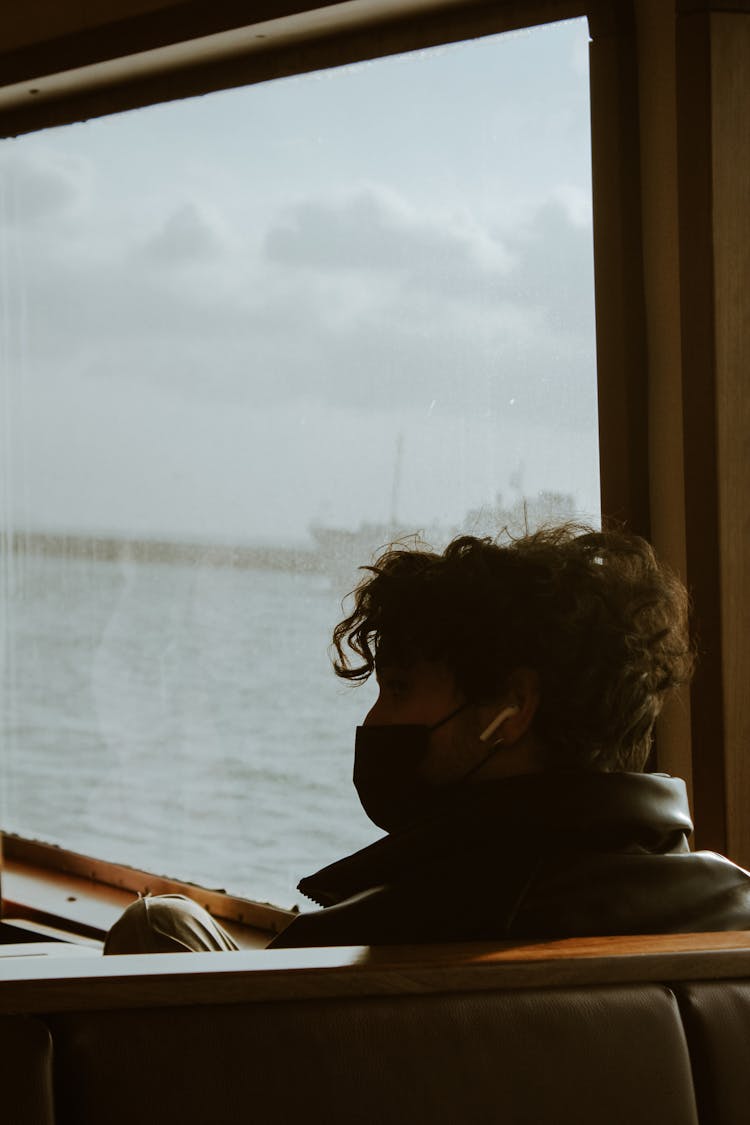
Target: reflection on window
248,339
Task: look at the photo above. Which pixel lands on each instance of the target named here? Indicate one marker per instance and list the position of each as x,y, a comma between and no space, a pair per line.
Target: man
504,757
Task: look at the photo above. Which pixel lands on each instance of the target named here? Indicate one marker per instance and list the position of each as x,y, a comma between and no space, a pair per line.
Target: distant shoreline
335,552
101,548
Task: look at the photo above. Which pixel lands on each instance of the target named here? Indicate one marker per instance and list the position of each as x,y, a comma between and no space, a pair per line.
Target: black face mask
387,763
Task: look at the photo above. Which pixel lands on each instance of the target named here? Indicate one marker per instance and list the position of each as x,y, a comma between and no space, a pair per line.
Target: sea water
180,718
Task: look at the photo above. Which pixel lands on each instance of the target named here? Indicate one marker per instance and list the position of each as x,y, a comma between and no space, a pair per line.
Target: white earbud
499,719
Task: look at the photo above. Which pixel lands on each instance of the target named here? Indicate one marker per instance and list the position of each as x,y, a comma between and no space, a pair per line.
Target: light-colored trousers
167,924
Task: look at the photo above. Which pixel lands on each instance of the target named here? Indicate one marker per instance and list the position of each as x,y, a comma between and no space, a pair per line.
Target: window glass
248,339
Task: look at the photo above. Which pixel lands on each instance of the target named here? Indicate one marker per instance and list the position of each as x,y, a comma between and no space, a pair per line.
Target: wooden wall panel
730,123
620,304
699,465
661,265
713,88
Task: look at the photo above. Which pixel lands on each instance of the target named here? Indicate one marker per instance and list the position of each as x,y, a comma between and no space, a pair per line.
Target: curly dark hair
599,618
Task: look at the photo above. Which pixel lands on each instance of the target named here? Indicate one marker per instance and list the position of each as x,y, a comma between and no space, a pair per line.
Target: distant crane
396,488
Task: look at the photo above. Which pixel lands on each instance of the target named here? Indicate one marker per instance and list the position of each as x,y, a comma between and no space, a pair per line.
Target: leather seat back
25,1072
568,1056
716,1016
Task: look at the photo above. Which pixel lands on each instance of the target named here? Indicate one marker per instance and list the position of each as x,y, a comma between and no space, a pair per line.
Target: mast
396,490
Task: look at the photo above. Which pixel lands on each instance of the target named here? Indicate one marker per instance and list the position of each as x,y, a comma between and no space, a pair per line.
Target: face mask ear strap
447,719
499,719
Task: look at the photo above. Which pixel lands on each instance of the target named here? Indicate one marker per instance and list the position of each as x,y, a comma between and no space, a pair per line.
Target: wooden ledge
85,896
40,984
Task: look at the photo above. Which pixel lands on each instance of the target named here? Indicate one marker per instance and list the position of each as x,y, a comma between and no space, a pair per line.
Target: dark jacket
536,856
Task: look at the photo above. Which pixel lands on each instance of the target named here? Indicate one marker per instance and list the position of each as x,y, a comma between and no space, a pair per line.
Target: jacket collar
598,812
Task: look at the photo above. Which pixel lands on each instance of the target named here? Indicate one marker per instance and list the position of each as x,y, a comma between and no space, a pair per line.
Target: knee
166,924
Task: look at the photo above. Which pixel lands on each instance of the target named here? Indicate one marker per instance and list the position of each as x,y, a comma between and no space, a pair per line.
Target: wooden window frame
192,48
665,248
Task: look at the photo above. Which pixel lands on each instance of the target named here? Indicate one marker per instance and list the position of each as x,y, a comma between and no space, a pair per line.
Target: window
249,338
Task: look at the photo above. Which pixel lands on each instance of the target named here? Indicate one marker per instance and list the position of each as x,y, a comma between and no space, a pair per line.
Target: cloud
38,184
554,268
545,263
376,232
413,307
189,234
362,302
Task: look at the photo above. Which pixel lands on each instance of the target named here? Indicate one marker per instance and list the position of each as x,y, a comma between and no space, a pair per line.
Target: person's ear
521,699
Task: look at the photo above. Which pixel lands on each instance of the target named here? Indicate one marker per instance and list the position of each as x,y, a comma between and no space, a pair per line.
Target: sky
221,317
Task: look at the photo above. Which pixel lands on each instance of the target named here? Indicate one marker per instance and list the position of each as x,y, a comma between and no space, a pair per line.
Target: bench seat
610,1031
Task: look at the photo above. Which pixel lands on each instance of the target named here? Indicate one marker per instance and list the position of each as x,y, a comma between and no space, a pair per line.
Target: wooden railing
49,984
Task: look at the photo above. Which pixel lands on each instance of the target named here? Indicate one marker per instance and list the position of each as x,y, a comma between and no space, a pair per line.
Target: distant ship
341,551
521,516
